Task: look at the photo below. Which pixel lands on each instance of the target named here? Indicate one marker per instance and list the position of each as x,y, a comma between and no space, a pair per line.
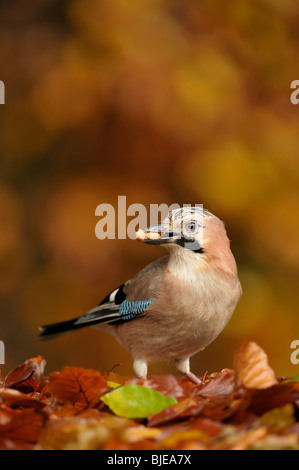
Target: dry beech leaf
121,380
16,399
166,384
80,387
21,429
184,408
273,397
252,368
77,433
242,440
220,387
278,419
138,433
119,444
26,376
276,442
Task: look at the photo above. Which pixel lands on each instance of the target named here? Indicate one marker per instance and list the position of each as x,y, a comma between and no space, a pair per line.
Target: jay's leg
140,368
183,366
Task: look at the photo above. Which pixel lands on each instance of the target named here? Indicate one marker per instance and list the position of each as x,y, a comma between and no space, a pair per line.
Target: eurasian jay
177,305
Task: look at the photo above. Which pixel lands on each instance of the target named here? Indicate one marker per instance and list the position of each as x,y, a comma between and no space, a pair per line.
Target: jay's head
190,228
195,232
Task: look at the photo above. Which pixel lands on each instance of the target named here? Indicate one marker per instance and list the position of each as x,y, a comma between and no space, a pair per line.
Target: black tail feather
56,329
102,315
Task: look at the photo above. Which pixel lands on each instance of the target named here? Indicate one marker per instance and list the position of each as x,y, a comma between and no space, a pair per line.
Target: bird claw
192,377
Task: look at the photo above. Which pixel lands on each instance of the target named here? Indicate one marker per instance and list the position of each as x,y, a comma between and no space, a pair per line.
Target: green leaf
294,379
112,384
136,401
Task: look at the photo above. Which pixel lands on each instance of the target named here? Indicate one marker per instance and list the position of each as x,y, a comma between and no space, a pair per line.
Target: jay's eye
191,226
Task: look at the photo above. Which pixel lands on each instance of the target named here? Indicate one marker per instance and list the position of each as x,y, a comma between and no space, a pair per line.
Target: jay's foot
140,368
183,366
192,377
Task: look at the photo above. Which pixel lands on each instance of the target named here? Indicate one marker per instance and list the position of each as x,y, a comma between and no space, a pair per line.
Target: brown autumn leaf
20,429
79,387
276,396
252,369
15,399
181,410
166,384
213,397
116,443
27,376
118,379
219,387
80,433
210,427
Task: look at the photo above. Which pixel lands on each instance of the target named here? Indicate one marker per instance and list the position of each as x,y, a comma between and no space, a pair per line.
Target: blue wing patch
114,310
130,310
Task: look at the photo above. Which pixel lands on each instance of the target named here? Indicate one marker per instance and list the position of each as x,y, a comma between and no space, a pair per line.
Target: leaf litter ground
241,409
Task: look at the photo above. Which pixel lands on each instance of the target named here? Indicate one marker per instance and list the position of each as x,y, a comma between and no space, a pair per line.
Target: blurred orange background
163,101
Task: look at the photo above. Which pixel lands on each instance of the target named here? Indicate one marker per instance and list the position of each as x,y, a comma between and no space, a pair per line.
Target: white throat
185,264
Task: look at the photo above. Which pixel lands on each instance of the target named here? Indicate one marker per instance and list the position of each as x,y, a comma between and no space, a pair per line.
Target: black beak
165,237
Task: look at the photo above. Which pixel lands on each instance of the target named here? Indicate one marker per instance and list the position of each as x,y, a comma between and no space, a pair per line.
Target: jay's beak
155,235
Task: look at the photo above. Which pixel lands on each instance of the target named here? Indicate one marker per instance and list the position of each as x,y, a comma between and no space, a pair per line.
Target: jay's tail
102,314
56,329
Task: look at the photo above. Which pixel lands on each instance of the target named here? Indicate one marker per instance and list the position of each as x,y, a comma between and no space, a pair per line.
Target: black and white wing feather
114,309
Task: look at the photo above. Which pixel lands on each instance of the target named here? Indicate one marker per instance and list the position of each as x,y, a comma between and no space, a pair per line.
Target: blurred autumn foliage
174,101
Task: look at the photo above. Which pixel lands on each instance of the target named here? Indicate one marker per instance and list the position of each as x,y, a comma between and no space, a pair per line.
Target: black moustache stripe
189,244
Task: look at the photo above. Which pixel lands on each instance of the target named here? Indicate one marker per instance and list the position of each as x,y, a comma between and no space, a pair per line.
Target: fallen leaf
220,387
15,399
273,397
22,428
278,419
138,433
76,433
116,443
252,369
276,442
182,410
166,384
79,387
136,401
26,376
294,379
176,439
111,384
122,380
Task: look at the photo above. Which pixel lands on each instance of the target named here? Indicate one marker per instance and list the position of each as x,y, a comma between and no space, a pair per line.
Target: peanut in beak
141,235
